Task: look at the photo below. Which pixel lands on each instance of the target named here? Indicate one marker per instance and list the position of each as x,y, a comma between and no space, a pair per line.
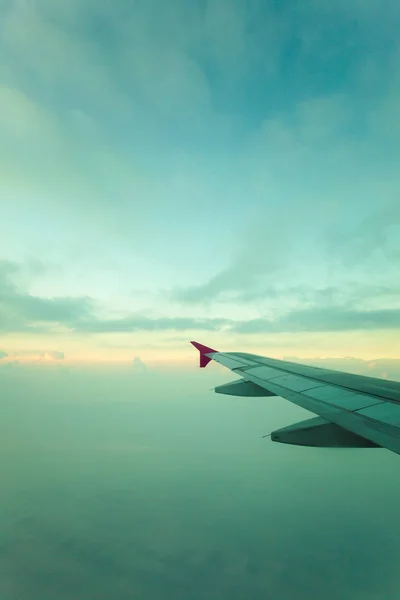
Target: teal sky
226,170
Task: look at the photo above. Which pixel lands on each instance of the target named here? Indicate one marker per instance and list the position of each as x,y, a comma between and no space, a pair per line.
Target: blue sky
225,170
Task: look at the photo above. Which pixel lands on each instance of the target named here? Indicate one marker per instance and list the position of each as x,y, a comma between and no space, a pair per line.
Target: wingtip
204,350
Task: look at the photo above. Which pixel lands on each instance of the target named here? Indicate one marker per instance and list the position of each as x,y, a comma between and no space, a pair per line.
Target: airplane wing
353,410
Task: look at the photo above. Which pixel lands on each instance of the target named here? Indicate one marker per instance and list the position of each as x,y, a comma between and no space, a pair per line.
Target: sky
146,486
216,170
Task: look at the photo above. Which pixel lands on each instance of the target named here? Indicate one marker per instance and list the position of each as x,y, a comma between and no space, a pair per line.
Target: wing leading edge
368,408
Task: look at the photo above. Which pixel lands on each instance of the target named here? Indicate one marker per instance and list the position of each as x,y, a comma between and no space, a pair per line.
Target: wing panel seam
323,384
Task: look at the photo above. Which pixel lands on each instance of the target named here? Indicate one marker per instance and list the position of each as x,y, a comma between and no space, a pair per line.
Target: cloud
313,319
138,365
20,311
324,319
229,280
47,355
151,73
54,355
24,312
81,91
313,200
141,323
376,235
265,253
267,292
307,309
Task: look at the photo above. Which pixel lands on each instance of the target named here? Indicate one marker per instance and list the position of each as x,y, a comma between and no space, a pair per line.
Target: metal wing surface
364,406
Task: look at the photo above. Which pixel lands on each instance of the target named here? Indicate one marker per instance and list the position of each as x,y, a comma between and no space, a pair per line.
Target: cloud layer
22,312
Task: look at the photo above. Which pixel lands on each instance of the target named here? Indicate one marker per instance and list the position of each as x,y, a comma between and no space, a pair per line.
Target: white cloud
38,355
138,365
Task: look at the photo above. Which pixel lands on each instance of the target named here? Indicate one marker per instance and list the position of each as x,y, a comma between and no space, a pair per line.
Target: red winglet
204,360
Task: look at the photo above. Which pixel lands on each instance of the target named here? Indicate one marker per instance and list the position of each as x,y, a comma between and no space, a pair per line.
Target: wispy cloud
45,355
328,309
20,311
143,323
375,236
324,320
